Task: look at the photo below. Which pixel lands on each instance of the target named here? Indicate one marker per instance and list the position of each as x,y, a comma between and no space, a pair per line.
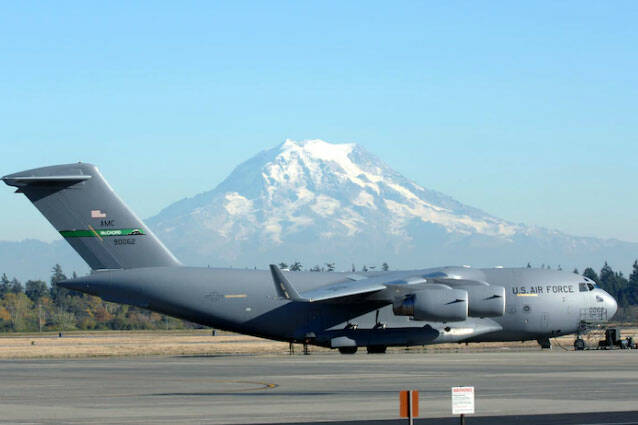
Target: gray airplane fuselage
539,303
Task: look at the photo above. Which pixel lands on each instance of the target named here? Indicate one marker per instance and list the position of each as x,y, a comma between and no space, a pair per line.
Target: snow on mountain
316,201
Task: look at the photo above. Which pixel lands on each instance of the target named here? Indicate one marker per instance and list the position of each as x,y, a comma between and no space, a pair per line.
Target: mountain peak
316,145
316,192
318,149
314,161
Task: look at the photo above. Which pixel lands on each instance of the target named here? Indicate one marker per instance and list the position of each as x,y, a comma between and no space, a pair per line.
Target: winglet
283,287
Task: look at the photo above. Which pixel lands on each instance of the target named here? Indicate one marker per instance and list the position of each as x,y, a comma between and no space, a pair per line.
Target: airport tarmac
319,387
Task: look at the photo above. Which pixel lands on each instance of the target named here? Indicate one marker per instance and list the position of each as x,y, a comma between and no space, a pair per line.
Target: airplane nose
612,306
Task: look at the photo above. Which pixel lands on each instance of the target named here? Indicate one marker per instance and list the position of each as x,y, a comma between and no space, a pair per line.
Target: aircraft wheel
376,349
579,344
348,350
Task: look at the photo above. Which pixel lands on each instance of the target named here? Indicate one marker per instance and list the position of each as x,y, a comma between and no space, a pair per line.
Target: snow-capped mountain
317,202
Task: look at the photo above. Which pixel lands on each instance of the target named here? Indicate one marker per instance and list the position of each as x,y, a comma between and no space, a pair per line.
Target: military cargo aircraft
331,309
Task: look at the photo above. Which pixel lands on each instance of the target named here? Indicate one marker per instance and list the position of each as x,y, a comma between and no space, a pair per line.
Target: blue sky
525,110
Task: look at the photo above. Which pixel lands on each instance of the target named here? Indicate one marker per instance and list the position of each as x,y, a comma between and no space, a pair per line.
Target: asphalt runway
321,387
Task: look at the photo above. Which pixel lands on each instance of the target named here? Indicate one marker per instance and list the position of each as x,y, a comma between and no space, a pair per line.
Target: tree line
624,290
38,306
296,266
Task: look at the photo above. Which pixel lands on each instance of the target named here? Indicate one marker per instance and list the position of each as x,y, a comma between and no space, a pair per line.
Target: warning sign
462,400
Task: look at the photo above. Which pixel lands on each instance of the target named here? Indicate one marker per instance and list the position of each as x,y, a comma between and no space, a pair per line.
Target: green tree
5,317
575,271
330,267
283,265
4,285
633,285
385,267
622,289
57,292
36,289
606,274
633,277
64,320
18,306
16,286
591,274
615,283
296,267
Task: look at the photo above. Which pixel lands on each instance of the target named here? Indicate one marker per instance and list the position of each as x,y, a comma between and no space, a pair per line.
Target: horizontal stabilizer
30,180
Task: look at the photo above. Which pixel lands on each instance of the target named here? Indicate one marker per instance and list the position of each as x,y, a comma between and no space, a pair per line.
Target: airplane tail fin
81,205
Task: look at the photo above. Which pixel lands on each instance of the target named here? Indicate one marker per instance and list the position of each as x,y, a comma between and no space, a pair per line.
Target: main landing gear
376,349
545,343
371,349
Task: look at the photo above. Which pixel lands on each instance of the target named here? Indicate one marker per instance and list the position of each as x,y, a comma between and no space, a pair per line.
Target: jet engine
486,301
437,303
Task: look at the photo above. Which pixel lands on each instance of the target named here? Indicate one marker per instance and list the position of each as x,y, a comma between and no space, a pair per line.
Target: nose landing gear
579,344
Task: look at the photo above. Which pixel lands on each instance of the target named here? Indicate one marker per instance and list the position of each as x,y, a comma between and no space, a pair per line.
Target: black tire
545,343
579,344
348,350
376,349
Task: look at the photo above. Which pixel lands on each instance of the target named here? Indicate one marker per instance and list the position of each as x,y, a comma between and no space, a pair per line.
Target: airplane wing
362,285
324,293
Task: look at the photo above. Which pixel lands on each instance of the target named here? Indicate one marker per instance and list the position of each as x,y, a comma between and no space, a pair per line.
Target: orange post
415,403
409,404
404,411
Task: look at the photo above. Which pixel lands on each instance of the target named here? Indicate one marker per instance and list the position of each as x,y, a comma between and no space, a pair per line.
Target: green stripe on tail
87,233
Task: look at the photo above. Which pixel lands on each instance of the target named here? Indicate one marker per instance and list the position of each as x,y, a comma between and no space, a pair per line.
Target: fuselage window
582,287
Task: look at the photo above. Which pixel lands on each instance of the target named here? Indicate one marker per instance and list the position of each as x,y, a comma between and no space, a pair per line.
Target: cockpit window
582,287
590,286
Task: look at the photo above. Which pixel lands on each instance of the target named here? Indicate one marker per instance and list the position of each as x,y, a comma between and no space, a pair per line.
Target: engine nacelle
486,301
437,304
